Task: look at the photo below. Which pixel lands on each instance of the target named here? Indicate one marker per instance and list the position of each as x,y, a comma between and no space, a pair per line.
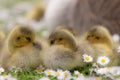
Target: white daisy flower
67,75
40,69
115,71
82,77
44,78
1,70
50,72
4,76
87,58
103,60
102,71
77,73
7,77
109,71
63,75
58,72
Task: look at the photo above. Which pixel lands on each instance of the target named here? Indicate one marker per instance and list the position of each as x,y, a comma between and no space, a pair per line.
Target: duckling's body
22,49
26,57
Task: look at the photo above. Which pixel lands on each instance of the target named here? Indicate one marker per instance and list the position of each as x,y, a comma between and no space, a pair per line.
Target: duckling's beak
52,41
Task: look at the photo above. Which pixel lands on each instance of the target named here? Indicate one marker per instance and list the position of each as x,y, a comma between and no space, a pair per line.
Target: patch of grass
27,75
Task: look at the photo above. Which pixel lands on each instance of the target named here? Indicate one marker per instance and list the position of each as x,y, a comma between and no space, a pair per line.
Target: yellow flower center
39,69
65,75
58,73
49,73
78,73
103,60
96,78
87,58
5,75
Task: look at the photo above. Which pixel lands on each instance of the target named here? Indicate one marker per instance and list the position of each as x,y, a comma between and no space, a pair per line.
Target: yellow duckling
99,36
65,52
20,36
22,49
27,58
36,13
101,40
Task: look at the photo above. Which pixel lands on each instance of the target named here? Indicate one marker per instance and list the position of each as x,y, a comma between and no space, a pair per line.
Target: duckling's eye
18,38
97,38
60,39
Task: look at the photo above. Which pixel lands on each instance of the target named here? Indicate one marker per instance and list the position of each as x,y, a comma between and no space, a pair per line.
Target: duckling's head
70,29
20,36
99,34
63,37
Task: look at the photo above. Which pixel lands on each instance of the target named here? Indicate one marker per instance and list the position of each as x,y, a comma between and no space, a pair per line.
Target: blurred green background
11,3
12,11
